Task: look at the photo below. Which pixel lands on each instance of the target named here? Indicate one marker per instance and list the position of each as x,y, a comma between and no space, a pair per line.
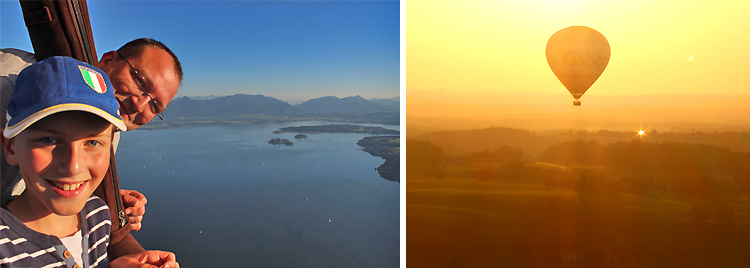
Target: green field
459,220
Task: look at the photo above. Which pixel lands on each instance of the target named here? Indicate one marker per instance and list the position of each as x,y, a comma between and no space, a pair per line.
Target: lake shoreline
388,148
337,128
268,119
375,145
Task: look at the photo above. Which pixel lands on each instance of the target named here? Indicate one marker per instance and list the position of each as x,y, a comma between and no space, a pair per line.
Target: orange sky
657,46
479,58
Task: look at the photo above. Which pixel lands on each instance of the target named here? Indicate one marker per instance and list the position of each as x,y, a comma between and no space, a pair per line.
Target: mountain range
355,104
236,105
243,108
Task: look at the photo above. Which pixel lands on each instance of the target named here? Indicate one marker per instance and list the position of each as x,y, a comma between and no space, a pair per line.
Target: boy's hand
146,259
135,206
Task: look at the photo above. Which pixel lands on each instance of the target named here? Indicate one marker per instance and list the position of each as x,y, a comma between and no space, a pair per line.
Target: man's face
160,81
62,158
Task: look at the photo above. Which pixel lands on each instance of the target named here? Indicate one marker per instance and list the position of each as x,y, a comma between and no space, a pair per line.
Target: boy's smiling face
63,158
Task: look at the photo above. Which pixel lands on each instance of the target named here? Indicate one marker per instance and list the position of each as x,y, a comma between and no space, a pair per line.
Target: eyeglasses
143,88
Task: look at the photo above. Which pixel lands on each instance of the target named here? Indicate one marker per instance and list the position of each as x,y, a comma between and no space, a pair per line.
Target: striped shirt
21,246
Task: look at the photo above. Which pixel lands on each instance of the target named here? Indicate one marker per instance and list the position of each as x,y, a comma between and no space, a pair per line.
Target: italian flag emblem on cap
94,79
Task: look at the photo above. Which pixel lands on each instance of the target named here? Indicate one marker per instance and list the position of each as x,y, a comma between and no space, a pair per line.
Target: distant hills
431,110
355,104
247,109
465,142
392,102
236,105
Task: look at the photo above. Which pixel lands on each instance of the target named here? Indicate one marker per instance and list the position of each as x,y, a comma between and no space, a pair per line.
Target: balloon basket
576,103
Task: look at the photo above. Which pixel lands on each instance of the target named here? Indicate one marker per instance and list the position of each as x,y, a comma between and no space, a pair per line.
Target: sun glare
641,133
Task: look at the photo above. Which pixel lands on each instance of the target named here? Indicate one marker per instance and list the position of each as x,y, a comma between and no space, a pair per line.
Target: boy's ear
8,149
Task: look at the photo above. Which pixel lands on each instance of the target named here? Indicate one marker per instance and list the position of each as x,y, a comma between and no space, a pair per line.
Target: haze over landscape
431,110
650,171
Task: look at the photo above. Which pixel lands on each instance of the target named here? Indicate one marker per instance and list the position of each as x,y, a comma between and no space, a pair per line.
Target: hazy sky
675,65
658,46
285,49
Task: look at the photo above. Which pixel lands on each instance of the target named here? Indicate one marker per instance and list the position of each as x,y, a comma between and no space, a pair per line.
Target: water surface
222,196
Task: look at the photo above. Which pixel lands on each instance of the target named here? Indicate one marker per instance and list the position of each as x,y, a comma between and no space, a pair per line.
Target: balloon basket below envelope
576,103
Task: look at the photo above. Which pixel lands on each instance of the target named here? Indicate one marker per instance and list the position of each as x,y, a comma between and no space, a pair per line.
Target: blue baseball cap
60,84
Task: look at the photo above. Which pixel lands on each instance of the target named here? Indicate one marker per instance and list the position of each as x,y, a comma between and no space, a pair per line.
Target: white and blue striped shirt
21,246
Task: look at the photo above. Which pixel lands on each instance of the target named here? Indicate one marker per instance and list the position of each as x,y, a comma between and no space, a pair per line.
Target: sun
640,134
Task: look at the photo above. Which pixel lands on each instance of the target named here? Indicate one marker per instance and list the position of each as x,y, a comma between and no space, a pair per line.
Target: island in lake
386,147
300,136
338,128
279,141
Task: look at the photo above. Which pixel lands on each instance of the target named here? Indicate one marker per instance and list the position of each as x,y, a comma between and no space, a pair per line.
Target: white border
402,155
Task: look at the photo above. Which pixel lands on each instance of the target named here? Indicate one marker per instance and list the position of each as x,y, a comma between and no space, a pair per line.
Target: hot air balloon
577,55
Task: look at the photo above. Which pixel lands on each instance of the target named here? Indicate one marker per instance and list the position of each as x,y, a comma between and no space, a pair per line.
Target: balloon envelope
577,55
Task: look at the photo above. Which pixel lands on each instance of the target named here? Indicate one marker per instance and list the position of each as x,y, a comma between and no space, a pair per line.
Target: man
145,75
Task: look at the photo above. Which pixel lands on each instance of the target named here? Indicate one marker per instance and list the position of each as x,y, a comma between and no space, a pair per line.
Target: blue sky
290,50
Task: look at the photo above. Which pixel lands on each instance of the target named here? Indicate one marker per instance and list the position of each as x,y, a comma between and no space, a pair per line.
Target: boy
62,115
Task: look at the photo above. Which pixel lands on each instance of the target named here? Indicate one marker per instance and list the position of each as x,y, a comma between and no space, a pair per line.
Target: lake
221,196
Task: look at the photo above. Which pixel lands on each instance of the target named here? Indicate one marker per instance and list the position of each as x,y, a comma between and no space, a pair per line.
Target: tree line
693,169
